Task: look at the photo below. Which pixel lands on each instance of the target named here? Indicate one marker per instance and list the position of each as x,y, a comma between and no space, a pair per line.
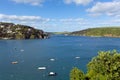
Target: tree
105,66
76,74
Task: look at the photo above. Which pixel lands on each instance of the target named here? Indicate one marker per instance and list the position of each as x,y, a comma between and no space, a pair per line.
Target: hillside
59,33
12,31
99,32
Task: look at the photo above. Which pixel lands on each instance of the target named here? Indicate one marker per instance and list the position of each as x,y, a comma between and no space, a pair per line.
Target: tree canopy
105,66
76,74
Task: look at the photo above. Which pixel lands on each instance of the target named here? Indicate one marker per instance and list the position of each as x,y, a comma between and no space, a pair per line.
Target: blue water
32,54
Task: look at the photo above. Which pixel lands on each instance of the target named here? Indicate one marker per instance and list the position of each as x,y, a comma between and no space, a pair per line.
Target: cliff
13,31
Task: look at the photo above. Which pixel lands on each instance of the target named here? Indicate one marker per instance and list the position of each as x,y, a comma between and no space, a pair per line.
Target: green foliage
98,32
12,31
32,37
105,66
60,32
76,74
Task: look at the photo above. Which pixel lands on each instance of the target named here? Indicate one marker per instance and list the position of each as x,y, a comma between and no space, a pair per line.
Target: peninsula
17,31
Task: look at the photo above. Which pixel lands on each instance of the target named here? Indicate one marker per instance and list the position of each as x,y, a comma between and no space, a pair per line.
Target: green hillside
17,31
99,32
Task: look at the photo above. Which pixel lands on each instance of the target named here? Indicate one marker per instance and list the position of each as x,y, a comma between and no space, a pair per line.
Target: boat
22,50
14,62
77,57
5,38
52,59
66,34
52,74
41,68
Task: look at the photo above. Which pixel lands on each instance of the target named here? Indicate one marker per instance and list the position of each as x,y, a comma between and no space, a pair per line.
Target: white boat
52,74
14,62
41,68
52,59
77,57
5,38
22,50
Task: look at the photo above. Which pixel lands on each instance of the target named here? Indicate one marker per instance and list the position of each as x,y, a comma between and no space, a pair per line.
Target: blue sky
61,15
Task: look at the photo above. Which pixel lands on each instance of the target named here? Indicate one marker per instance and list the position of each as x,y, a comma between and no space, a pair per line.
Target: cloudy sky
61,15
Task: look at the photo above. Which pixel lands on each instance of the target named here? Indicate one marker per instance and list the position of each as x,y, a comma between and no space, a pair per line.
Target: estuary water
66,52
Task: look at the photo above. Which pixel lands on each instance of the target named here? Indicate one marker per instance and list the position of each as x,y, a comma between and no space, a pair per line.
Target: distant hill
58,33
99,32
12,31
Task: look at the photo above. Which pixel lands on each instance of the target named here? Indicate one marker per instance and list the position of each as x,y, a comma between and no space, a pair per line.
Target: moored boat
41,68
52,59
52,74
14,62
77,57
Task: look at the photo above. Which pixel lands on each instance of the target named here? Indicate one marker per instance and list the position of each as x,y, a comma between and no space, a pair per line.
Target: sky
61,15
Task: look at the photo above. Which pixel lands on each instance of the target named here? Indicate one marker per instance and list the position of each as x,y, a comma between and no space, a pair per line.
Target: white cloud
72,20
78,2
106,8
22,18
31,2
35,21
115,21
68,24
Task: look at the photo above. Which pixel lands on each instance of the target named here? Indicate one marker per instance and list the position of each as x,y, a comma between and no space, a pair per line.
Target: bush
105,66
76,74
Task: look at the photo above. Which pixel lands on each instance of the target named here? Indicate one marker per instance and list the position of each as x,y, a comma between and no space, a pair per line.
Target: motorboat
52,59
77,57
52,74
22,50
41,68
14,62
